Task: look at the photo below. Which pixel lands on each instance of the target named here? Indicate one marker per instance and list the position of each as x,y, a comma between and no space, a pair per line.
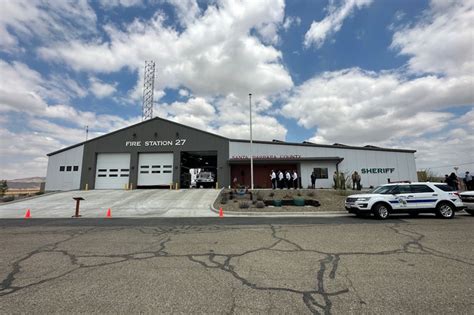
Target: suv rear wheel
445,210
381,211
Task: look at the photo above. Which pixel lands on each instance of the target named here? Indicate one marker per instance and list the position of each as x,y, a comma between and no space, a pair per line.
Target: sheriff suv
412,198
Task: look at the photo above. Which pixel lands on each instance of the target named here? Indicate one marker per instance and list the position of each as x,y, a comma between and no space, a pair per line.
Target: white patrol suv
467,198
412,198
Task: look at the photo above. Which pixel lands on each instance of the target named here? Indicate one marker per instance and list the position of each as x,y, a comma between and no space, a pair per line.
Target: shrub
244,205
272,194
260,204
310,194
8,198
298,194
287,196
259,196
224,199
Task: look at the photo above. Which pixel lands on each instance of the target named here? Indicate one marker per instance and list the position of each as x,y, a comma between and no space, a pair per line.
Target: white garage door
155,169
113,170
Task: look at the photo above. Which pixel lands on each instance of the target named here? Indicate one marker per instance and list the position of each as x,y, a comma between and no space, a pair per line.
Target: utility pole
251,143
87,132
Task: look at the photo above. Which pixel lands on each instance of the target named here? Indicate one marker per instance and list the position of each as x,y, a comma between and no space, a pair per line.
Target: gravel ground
330,200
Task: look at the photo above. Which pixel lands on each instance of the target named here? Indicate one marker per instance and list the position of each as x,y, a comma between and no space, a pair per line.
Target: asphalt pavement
238,265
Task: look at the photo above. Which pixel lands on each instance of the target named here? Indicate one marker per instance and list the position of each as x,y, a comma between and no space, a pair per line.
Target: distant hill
30,182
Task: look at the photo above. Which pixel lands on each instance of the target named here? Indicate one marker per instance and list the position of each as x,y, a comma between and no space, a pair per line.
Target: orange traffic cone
221,213
109,214
27,214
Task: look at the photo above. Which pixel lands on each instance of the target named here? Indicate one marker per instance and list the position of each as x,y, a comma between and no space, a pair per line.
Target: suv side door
425,196
403,198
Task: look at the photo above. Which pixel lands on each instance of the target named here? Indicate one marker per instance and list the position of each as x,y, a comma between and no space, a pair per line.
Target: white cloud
101,89
186,10
124,3
290,21
332,23
44,21
357,106
442,41
203,57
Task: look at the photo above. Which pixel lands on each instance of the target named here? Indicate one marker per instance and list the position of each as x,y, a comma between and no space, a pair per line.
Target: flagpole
251,143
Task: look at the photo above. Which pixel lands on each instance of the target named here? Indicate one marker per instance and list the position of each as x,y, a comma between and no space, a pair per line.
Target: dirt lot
330,200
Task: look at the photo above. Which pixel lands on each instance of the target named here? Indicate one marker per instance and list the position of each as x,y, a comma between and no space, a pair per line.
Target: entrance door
112,171
155,169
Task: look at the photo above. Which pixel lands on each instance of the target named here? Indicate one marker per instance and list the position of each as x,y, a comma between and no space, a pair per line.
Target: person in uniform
273,179
280,179
288,179
354,180
295,180
313,180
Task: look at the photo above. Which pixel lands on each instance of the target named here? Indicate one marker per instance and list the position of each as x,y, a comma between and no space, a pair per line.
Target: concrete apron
133,203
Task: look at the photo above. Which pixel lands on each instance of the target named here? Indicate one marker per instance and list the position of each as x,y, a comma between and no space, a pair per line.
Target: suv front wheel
381,211
445,210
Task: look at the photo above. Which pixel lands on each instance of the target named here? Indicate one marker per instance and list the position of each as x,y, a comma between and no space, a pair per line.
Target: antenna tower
148,87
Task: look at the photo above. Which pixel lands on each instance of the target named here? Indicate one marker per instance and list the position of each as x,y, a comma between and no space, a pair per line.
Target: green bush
260,204
259,196
244,205
277,203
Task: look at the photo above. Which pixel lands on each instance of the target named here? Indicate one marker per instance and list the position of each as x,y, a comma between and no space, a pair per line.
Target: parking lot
238,265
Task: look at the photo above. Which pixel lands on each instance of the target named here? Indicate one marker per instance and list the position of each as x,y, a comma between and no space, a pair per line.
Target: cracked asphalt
237,265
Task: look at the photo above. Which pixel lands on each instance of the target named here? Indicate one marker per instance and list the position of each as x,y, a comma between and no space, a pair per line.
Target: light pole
251,142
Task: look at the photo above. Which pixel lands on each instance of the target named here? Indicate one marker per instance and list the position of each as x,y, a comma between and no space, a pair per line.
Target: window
421,189
75,168
113,170
156,172
102,170
61,168
101,175
124,170
144,166
321,172
167,166
444,187
113,175
166,171
401,189
143,172
68,168
123,175
155,166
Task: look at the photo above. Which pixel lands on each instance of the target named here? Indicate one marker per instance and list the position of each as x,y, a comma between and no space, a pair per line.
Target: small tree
3,187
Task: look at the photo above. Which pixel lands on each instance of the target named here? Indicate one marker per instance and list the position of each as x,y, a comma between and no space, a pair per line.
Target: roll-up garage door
155,169
113,170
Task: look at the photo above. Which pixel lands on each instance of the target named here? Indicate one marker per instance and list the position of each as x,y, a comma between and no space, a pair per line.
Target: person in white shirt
280,179
273,179
288,179
295,180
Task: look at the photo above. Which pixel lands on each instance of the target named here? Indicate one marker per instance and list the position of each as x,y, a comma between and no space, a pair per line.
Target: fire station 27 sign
155,143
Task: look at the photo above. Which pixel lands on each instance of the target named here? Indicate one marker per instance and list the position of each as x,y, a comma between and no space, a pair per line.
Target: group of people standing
453,181
284,179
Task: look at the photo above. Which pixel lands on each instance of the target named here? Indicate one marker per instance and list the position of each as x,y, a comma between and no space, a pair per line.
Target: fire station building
158,153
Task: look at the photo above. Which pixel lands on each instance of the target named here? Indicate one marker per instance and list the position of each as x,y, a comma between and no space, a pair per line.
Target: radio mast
148,88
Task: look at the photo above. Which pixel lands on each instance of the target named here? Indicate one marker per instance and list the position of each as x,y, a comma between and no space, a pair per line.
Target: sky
397,74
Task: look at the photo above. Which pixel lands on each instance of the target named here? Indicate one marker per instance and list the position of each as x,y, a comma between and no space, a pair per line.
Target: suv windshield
384,190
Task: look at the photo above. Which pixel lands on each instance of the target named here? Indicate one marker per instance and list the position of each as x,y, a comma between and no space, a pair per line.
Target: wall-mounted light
134,135
177,134
156,134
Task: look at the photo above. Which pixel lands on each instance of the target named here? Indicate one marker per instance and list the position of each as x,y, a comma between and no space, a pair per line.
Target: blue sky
386,73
